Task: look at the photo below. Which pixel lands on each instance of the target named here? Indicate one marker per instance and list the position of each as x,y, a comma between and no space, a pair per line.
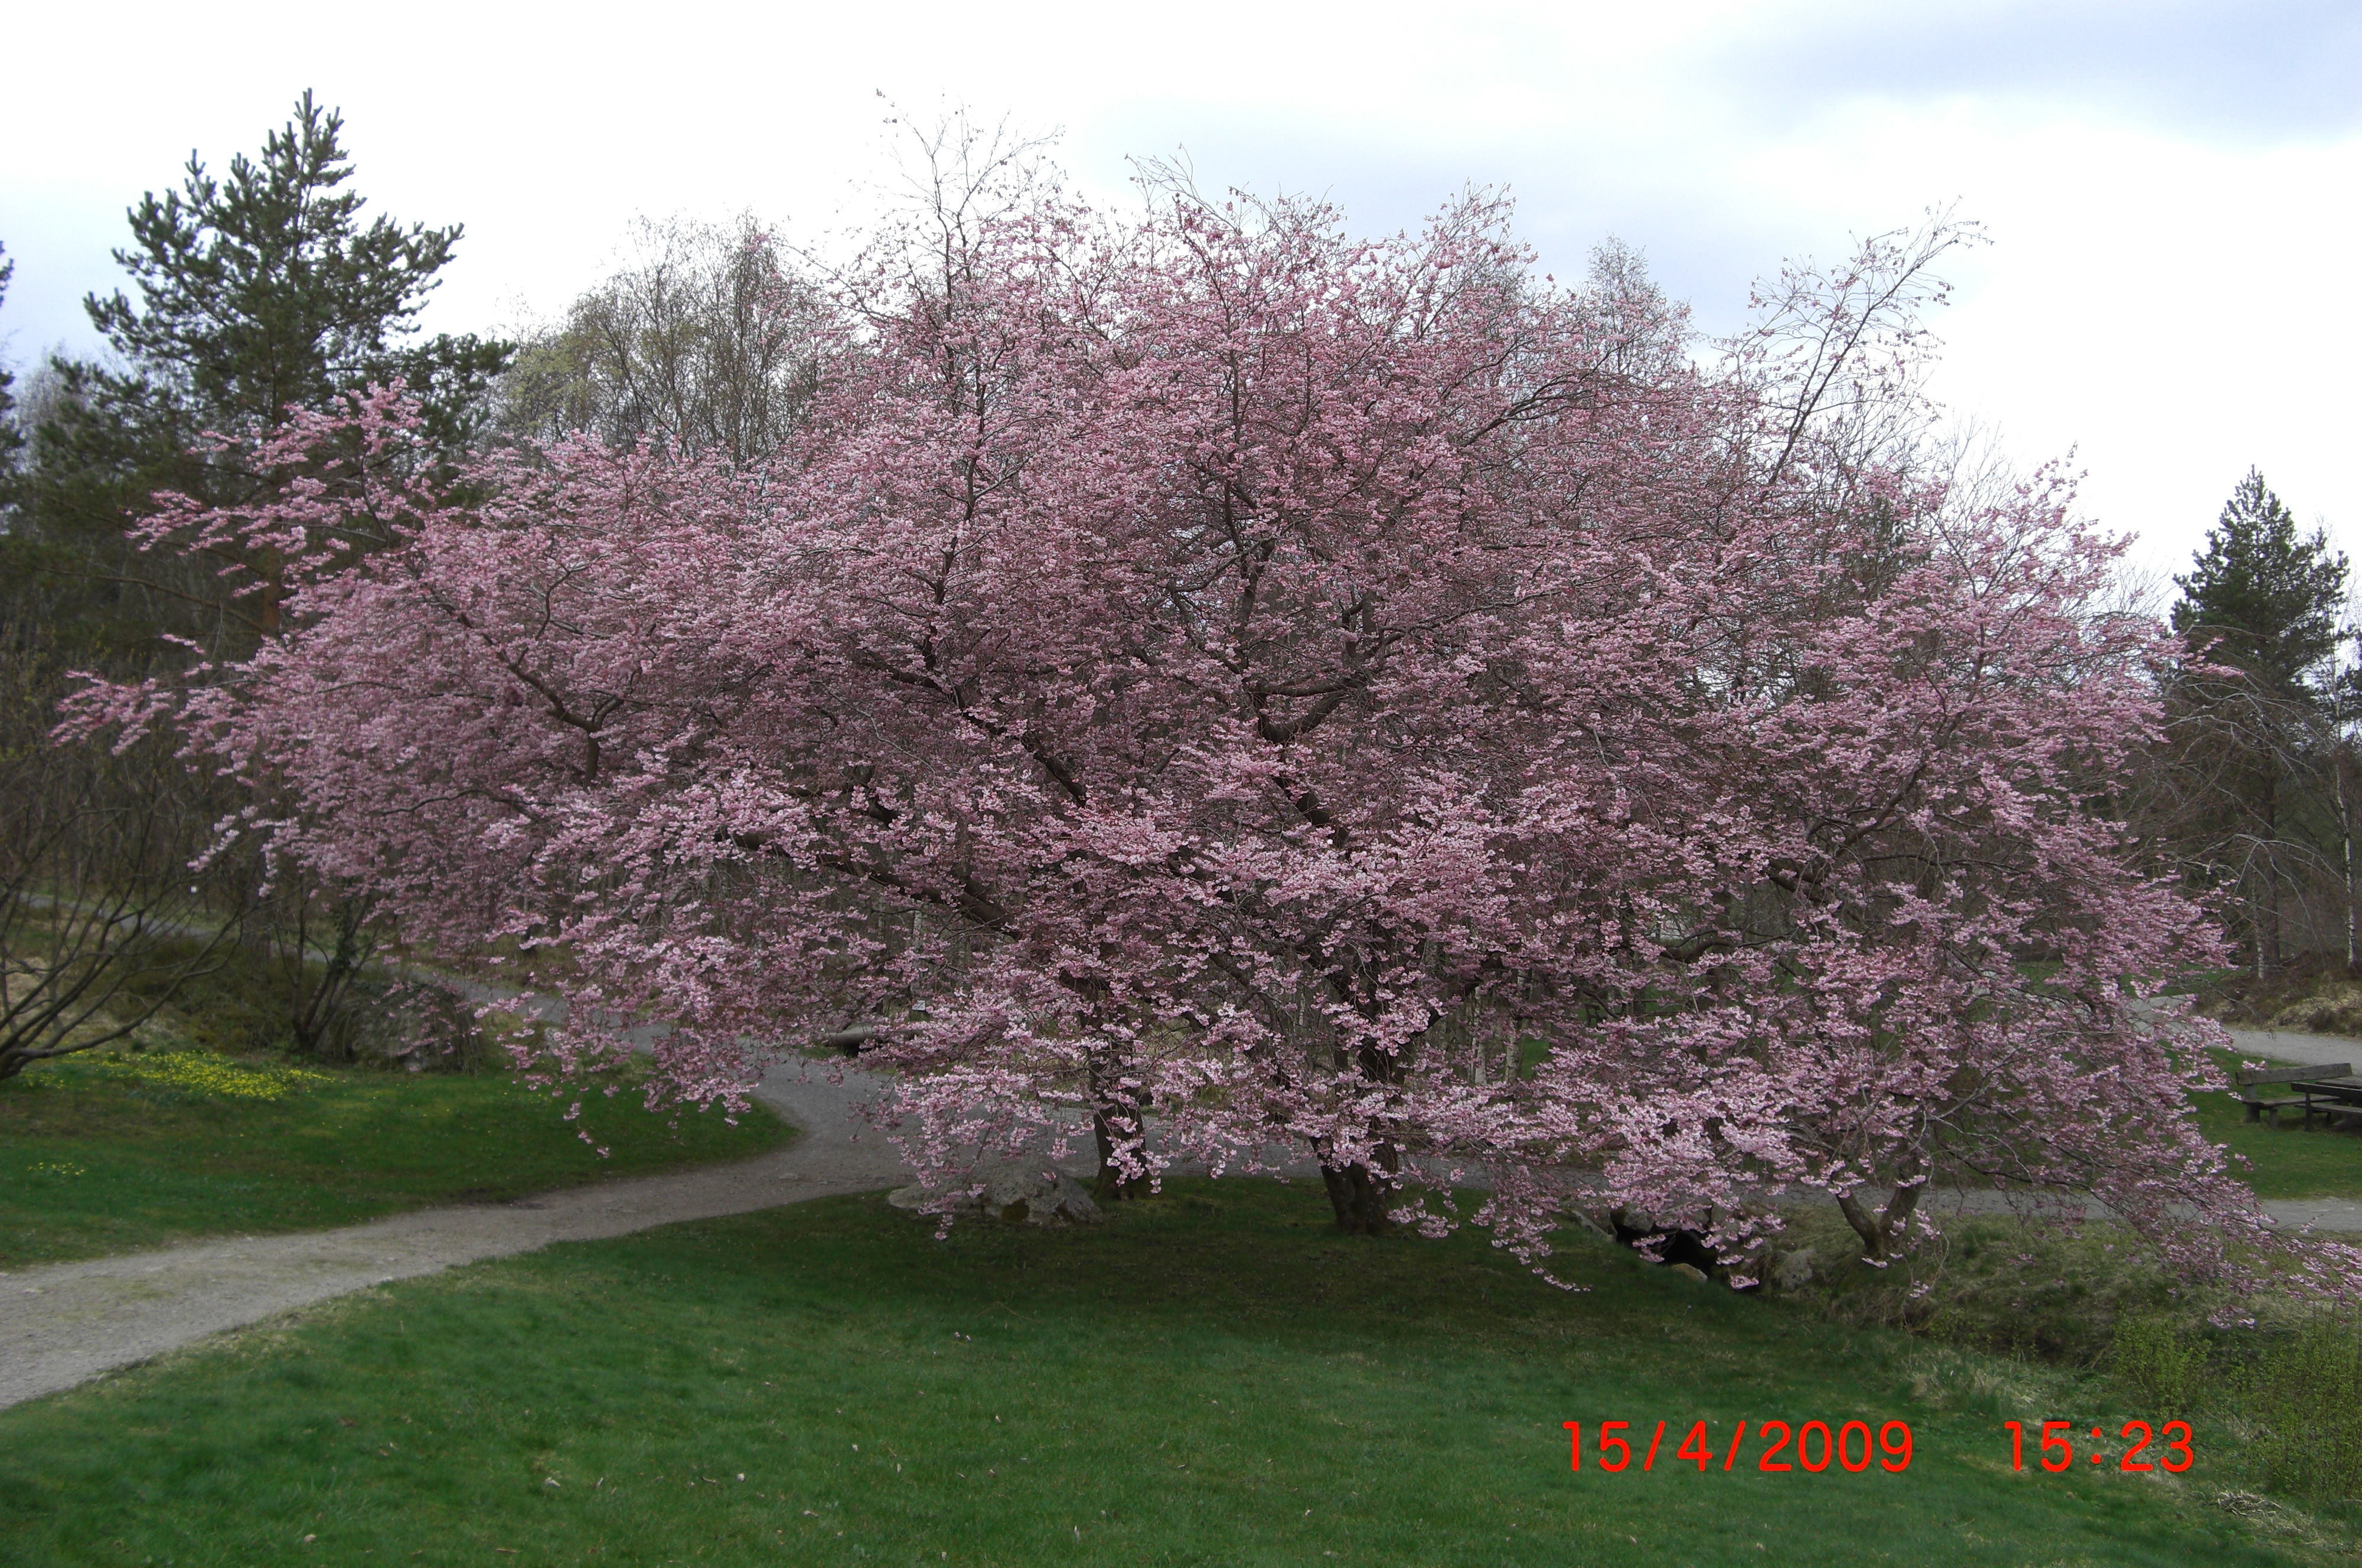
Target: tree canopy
710,340
1247,694
266,292
2262,597
257,296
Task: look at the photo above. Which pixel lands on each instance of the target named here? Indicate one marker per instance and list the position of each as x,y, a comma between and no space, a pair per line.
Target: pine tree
2262,599
256,294
2260,613
265,291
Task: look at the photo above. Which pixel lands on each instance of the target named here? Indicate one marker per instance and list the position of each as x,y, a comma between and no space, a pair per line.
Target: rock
1785,1272
1664,1243
1018,1192
1688,1272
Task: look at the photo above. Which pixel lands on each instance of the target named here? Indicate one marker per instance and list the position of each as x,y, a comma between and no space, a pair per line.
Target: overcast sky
2172,189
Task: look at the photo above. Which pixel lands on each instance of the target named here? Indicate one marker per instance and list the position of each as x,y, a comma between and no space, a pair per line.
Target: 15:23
2057,1452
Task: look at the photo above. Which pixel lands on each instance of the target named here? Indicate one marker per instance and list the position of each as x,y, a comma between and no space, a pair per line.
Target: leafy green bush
2306,1398
2157,1362
1992,1283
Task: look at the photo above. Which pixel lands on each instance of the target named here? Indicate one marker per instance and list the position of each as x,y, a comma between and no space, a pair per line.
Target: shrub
2307,1399
1995,1284
2157,1362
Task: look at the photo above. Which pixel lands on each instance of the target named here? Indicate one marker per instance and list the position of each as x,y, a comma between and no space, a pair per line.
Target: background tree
12,437
268,293
2260,611
255,294
710,339
257,299
2345,765
105,908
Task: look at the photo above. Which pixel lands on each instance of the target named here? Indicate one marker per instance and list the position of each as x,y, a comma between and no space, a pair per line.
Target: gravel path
67,1322
61,1324
2311,1050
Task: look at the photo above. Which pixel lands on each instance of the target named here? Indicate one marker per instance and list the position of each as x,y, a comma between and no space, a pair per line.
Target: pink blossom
1246,695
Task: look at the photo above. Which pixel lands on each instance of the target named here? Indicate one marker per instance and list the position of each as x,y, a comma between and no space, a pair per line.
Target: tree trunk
1879,1232
2349,785
1361,1195
319,1016
2268,922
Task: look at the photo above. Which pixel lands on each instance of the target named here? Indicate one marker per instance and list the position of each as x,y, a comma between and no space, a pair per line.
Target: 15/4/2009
1810,1448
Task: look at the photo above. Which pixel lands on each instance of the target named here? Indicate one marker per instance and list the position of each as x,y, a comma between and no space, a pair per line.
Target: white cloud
2171,188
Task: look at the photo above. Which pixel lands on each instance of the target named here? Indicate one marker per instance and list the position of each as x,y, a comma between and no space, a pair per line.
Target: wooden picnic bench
2339,1099
2315,1091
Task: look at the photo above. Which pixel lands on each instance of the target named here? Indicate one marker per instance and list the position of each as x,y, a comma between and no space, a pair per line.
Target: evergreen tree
251,295
265,291
256,292
12,439
2260,611
2262,599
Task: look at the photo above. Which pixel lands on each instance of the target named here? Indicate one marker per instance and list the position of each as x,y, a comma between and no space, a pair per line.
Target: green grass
103,1156
2283,1162
1214,1377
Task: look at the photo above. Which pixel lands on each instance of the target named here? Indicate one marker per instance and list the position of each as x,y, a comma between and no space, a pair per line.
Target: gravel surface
2311,1050
67,1322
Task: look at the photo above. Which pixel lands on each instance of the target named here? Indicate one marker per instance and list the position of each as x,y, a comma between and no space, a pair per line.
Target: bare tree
106,906
709,337
2234,799
2346,742
316,945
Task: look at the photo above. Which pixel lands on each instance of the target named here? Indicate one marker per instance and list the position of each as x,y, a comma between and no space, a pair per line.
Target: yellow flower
201,1072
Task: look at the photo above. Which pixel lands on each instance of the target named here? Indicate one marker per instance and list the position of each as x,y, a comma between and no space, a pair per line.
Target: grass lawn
1214,1377
113,1154
2286,1162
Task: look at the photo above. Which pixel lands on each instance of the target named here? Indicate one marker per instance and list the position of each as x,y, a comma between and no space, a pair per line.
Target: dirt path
61,1324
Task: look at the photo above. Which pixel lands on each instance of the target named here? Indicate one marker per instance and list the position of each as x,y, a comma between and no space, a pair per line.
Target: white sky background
2174,190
